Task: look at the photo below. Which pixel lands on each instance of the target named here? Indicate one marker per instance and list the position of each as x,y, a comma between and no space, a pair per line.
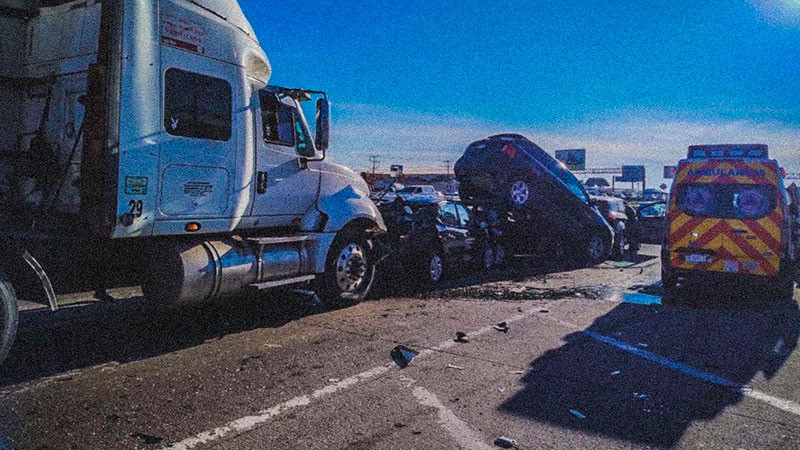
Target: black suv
509,171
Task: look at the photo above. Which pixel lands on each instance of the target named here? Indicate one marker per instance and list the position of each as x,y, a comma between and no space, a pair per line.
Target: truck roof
230,11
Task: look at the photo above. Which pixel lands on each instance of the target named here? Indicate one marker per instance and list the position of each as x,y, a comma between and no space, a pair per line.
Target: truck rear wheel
9,317
349,269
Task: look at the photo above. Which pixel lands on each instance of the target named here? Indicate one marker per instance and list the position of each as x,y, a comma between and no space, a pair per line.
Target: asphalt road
591,359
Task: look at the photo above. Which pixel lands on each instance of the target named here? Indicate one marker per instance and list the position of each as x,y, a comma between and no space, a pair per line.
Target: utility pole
447,164
374,159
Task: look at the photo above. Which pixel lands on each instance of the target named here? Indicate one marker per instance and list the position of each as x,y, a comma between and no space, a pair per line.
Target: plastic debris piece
505,442
453,366
616,372
502,326
501,389
461,337
516,372
402,355
577,413
641,344
641,395
334,380
544,311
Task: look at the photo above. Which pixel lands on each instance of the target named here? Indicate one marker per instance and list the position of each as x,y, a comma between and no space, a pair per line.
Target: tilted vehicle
436,238
729,217
149,126
625,223
508,171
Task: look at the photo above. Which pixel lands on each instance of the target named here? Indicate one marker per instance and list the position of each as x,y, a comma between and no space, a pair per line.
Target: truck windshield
734,201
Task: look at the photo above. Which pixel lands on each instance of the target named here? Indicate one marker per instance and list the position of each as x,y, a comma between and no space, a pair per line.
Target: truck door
199,148
284,188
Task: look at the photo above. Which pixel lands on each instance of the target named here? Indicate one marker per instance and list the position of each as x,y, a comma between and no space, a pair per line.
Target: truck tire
9,317
349,269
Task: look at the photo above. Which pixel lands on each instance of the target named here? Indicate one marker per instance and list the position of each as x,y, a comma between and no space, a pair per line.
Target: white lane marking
248,423
786,405
465,437
782,404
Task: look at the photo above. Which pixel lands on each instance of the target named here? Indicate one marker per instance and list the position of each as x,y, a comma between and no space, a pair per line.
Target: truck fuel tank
193,271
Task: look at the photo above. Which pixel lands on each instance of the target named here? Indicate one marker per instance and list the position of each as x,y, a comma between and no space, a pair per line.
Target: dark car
652,222
434,238
624,221
510,171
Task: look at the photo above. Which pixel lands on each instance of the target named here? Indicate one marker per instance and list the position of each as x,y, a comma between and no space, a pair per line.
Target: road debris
334,380
147,438
641,344
577,413
502,326
641,395
453,366
545,311
505,442
402,355
461,337
615,373
516,372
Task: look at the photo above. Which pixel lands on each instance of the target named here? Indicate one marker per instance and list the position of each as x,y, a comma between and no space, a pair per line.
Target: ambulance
729,217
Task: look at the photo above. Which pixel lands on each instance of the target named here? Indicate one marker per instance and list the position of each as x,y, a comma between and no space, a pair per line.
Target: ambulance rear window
727,201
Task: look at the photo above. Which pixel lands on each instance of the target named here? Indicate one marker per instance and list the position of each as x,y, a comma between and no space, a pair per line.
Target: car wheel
621,245
9,317
435,267
519,192
499,255
349,270
488,257
595,249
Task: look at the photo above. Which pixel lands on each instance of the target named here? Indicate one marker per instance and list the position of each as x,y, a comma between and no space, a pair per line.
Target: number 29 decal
136,208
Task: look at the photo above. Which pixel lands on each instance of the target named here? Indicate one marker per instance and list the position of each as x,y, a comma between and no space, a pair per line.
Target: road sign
632,174
670,171
575,159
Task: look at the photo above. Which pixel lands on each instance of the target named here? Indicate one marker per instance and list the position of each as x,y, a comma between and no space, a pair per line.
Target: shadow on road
55,343
598,388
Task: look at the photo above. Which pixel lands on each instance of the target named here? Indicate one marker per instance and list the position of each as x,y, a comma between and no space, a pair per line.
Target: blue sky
633,82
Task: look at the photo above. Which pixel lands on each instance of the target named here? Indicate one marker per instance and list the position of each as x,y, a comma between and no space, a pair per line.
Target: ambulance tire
670,295
9,317
784,288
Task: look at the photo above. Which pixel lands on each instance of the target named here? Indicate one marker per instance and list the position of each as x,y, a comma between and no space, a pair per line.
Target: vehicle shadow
50,344
593,385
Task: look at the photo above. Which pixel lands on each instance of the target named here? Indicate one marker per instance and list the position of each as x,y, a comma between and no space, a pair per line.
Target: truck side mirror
323,133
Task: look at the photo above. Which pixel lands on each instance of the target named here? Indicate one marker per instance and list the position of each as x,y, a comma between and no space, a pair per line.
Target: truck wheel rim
520,192
596,248
351,267
436,268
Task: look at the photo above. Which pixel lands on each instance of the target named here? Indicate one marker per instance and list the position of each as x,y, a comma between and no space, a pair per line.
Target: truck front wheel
349,269
9,317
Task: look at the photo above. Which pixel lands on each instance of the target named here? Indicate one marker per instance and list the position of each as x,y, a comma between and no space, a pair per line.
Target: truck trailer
139,139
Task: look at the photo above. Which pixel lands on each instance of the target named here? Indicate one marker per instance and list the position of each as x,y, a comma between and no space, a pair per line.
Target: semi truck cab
150,124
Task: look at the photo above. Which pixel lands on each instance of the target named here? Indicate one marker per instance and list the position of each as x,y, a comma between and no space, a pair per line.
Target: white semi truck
142,136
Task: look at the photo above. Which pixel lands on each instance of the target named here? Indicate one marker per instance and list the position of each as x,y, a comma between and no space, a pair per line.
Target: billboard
574,159
669,171
633,174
